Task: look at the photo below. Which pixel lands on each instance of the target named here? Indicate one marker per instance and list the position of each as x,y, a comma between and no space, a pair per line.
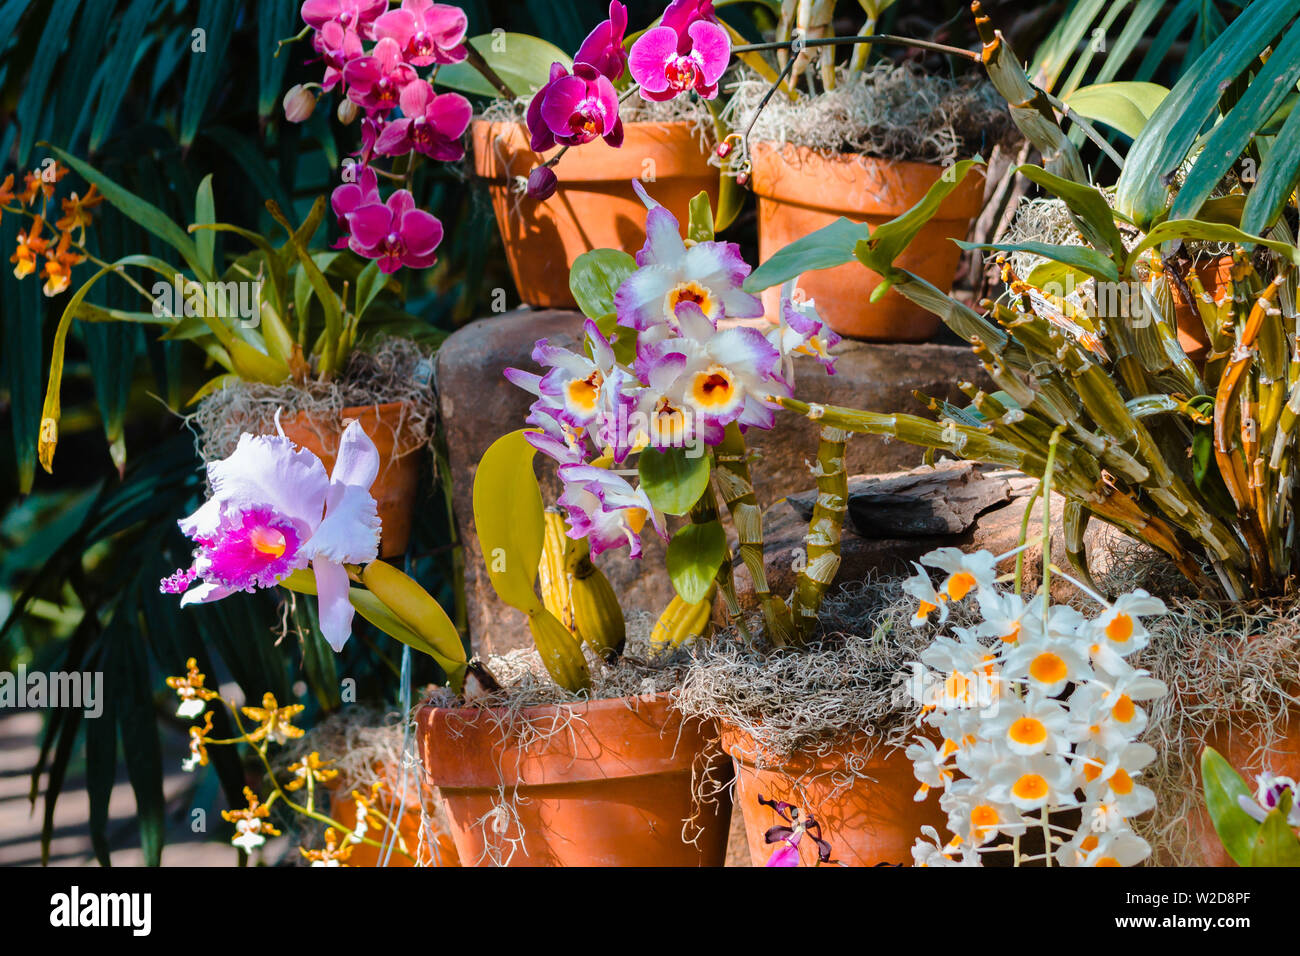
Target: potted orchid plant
276,515
311,337
646,428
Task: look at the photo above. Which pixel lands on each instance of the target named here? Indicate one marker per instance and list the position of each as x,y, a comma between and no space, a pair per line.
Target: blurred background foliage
122,83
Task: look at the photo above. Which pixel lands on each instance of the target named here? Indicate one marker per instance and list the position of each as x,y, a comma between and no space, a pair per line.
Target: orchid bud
347,111
542,182
724,149
742,179
298,103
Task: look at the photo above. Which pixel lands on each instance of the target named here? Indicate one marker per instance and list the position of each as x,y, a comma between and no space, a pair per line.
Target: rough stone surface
478,406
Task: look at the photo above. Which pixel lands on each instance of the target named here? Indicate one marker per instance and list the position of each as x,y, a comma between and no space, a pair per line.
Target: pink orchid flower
427,32
375,82
431,124
397,233
687,51
352,14
350,197
274,510
603,47
574,108
338,45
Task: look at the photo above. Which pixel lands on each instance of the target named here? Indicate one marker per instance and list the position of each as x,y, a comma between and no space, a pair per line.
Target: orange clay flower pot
1239,746
1216,278
867,823
800,191
431,849
399,467
612,788
594,206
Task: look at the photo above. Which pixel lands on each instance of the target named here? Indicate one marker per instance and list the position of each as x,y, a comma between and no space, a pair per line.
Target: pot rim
480,757
964,202
596,162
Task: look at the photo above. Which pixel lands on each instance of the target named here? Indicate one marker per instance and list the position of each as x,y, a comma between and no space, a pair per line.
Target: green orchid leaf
1222,786
596,276
887,242
673,478
1126,106
1077,258
521,61
143,213
1275,843
695,554
1088,208
508,520
826,248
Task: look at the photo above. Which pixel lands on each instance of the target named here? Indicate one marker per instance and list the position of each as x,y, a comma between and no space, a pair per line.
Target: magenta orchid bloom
708,275
348,198
603,47
431,124
274,510
396,233
687,51
338,45
355,15
573,109
426,32
375,82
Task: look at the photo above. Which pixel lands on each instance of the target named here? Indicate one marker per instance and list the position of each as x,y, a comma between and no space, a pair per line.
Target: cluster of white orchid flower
1031,712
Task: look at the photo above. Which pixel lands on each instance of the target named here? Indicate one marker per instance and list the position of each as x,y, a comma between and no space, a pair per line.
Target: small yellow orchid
276,721
190,690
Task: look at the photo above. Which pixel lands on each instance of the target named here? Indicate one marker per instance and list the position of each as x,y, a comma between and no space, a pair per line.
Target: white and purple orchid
673,273
801,331
604,508
722,376
274,510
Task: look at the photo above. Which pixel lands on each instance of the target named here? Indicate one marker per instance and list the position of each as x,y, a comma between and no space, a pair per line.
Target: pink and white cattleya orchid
273,510
673,273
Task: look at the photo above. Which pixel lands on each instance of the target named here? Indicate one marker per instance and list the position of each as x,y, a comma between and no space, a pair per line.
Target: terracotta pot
1216,278
1238,745
612,789
868,823
594,206
800,191
432,849
399,466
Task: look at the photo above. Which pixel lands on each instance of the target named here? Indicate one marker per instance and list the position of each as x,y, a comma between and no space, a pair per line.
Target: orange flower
58,266
76,212
6,192
30,248
31,188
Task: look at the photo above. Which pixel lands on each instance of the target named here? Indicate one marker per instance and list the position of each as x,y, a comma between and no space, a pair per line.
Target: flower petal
334,607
